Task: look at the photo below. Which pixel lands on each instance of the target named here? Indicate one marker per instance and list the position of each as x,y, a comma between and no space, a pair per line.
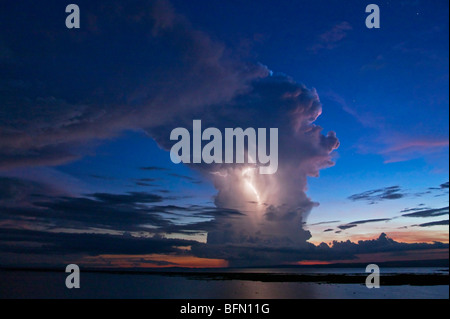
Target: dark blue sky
87,111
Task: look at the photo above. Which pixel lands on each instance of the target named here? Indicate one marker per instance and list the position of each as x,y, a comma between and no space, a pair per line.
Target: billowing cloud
382,244
337,250
274,206
173,69
174,74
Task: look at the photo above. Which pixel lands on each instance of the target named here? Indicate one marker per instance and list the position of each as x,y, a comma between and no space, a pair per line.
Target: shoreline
319,278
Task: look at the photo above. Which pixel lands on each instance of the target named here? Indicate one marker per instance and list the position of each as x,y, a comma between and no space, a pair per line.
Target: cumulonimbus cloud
175,74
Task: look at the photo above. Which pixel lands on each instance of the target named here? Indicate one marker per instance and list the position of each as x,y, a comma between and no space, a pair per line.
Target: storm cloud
172,69
337,250
175,74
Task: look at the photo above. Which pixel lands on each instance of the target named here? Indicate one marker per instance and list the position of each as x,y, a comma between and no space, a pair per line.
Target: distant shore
387,280
319,278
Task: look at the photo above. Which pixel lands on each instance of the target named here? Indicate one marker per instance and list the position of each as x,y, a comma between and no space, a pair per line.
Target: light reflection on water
15,284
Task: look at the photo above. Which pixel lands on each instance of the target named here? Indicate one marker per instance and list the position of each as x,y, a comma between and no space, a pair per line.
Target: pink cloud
330,39
394,146
404,150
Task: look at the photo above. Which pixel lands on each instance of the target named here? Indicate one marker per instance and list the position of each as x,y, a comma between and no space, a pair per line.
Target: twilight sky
86,116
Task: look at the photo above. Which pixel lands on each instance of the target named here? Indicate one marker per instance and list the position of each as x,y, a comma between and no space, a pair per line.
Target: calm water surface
23,284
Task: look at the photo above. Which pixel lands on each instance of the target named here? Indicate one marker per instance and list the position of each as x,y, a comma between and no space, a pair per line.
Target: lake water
26,284
349,271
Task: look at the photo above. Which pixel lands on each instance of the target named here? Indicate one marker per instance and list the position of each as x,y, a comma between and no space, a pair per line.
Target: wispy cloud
153,168
428,213
332,37
187,178
392,145
380,194
364,118
437,223
400,150
347,226
325,223
365,221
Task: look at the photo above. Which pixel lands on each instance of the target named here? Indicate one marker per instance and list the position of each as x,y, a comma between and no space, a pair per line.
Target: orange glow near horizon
312,262
189,261
403,236
407,236
423,237
154,261
408,255
165,261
